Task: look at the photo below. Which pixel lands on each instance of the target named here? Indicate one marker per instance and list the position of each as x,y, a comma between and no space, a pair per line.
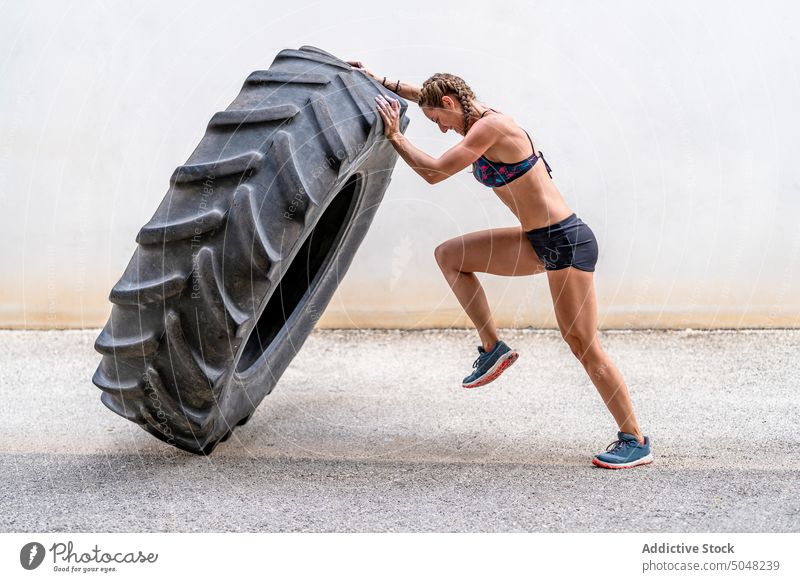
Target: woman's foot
627,452
489,365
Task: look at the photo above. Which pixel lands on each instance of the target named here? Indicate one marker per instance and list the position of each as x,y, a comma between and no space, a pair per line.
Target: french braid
441,84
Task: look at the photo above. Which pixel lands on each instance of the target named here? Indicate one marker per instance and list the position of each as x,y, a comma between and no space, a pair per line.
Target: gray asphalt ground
371,431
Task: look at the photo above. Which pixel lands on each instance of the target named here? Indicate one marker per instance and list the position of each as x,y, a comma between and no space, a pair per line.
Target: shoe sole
646,460
501,365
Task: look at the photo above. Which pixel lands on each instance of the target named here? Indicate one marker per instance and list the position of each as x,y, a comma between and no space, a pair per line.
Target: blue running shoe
627,452
489,365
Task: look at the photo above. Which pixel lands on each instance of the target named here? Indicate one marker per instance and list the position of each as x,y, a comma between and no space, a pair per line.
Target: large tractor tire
245,251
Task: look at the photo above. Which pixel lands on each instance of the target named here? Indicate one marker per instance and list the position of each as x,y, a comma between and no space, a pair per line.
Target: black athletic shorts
569,243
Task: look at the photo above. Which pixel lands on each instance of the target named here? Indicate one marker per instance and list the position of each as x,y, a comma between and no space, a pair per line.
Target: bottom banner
399,556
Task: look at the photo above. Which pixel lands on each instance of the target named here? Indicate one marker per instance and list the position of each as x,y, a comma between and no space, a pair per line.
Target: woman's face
449,116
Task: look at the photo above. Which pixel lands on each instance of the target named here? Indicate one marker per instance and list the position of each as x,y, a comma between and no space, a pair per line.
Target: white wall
671,129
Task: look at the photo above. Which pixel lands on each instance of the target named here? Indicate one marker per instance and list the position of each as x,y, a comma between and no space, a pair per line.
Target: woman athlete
551,239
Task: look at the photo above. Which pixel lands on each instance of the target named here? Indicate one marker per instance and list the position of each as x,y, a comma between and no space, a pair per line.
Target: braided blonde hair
440,84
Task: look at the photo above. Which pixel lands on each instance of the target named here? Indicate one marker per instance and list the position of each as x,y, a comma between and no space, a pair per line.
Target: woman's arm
405,90
481,136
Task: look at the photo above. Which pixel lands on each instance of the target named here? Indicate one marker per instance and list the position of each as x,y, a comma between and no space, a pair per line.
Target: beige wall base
451,318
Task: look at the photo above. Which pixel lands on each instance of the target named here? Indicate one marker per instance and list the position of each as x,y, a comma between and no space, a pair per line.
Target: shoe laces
478,360
619,446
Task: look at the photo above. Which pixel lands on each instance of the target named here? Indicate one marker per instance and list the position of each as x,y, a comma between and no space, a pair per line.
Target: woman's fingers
389,111
384,107
388,108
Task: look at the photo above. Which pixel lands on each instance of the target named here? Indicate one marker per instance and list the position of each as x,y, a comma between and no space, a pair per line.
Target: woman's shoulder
503,122
497,121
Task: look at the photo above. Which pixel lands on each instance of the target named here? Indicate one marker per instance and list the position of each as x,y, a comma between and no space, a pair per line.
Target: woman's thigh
498,251
575,304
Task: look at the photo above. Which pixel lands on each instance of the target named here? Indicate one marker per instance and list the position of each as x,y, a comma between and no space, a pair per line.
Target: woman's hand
390,113
360,65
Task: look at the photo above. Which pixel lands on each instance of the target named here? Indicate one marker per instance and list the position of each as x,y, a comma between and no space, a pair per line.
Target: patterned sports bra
493,174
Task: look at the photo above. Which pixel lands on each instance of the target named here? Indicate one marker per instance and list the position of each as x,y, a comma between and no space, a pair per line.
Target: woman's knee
445,255
585,347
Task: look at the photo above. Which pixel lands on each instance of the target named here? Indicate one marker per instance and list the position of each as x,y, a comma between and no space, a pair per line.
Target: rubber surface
246,249
643,461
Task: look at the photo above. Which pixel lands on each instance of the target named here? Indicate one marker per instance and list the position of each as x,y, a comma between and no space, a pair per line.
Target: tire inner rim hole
302,274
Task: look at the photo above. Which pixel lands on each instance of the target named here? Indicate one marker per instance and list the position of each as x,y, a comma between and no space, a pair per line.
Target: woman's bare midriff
534,199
